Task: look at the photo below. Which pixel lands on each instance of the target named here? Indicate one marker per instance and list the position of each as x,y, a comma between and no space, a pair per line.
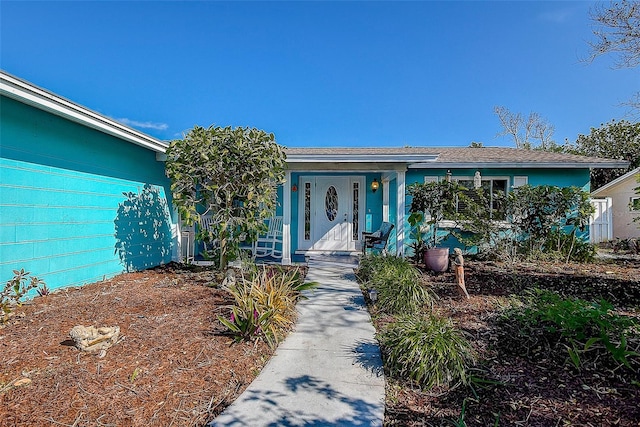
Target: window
307,211
519,181
493,188
634,203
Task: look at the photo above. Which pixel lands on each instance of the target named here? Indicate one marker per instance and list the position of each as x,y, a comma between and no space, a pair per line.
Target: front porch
326,212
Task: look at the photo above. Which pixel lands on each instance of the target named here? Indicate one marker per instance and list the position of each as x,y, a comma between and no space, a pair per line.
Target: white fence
601,223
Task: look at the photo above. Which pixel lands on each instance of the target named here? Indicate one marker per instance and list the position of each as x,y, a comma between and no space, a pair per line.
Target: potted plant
431,203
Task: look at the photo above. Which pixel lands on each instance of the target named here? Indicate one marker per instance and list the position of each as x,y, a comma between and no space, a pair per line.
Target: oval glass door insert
331,203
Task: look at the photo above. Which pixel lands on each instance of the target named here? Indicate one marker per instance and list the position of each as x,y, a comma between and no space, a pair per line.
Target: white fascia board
518,165
24,92
346,167
360,158
616,181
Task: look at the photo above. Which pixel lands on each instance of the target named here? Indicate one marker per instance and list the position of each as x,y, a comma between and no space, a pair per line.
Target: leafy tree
537,211
530,132
617,32
614,140
230,175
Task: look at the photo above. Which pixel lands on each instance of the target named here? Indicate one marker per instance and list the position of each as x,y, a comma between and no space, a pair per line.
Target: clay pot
437,259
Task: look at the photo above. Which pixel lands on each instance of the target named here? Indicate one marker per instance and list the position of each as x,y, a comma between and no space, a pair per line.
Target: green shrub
582,330
265,304
368,265
567,247
14,290
398,283
429,351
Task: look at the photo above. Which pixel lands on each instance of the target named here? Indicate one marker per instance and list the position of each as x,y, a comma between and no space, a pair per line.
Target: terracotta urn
437,259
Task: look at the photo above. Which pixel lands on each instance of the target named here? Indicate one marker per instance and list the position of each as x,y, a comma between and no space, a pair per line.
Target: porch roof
450,157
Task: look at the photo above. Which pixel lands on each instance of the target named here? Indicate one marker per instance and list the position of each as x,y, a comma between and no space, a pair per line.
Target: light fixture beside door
375,185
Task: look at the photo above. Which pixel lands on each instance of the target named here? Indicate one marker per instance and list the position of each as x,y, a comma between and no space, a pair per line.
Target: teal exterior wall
77,205
577,177
558,177
374,201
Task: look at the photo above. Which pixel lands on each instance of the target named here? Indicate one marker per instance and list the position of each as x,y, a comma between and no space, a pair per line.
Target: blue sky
320,73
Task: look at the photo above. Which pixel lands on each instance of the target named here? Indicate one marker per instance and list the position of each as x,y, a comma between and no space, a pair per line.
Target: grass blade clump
265,304
398,283
429,351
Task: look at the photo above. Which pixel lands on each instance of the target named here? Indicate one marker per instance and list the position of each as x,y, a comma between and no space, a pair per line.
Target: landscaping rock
92,339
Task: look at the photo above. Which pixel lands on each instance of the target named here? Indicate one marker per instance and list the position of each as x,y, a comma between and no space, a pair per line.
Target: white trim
400,208
385,198
345,167
361,158
286,220
616,181
519,165
352,245
24,92
302,243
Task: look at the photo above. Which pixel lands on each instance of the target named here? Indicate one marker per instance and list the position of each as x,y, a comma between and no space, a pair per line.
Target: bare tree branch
532,132
617,31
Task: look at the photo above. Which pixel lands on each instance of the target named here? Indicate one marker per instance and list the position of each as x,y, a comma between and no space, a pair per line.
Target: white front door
330,213
331,230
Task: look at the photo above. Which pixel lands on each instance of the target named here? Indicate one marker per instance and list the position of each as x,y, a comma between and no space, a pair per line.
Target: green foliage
613,140
535,212
427,350
433,202
544,221
229,174
398,283
586,331
566,247
15,289
265,304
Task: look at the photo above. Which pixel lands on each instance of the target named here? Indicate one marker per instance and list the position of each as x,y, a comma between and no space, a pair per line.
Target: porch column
385,199
286,219
400,214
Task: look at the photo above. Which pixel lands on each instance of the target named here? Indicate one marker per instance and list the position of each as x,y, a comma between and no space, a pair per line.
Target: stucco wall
623,216
77,205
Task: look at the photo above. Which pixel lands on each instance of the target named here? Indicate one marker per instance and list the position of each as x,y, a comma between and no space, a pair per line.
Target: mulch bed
173,365
522,392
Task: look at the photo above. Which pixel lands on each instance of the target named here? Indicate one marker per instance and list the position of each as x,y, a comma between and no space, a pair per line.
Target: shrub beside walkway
328,371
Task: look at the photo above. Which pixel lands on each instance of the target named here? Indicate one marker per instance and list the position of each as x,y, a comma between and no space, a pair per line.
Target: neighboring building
620,206
82,197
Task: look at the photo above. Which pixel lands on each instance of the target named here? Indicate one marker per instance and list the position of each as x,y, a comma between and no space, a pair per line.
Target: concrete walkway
328,372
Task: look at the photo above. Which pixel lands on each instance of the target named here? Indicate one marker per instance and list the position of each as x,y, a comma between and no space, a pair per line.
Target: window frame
483,179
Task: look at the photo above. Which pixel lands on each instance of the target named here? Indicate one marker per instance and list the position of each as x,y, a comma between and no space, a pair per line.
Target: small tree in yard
548,217
230,175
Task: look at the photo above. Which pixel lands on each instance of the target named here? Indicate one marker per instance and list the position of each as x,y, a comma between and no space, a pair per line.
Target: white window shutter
519,181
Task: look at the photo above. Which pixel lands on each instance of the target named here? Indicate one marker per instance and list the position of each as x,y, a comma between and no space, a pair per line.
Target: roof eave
616,181
520,165
15,88
359,158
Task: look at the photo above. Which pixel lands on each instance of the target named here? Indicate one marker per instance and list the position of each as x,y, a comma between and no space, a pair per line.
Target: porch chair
377,239
266,245
207,224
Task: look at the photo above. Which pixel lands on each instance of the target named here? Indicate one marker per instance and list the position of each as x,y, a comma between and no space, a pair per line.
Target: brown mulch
173,365
519,391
